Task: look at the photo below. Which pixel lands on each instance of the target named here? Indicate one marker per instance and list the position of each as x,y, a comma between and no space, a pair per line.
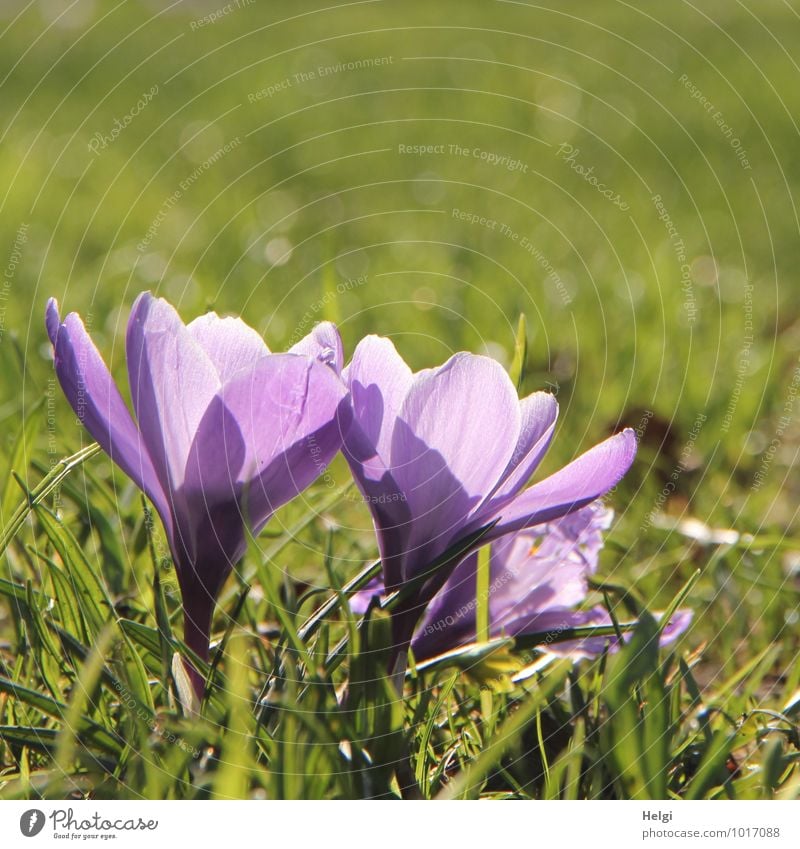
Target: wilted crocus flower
226,432
537,578
440,454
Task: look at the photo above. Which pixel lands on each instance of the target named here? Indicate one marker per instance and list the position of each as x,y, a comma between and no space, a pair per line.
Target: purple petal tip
52,319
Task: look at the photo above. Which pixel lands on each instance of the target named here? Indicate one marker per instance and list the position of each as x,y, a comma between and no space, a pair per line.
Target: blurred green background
624,174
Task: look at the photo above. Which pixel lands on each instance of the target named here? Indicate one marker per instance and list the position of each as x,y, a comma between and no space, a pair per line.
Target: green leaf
450,557
40,739
711,771
581,632
143,635
516,370
150,639
83,694
40,634
676,602
89,589
13,591
466,657
233,777
267,559
467,783
42,490
637,731
422,768
310,626
85,727
135,676
64,600
482,579
18,461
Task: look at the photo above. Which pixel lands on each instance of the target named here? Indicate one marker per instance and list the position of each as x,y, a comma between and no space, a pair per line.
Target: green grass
89,610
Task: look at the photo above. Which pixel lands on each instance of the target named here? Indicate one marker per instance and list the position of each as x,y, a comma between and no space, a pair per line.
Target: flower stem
197,613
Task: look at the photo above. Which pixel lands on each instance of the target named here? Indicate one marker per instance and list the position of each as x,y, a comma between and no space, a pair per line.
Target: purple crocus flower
226,432
537,578
442,453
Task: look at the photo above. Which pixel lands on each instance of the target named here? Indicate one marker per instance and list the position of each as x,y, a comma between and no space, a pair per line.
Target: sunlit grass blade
18,461
581,632
232,779
325,610
467,783
680,598
94,733
37,495
447,560
637,729
90,591
33,737
464,658
423,766
84,694
516,370
712,769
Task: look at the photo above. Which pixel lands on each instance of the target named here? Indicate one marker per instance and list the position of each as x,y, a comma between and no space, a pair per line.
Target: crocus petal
539,413
536,578
281,424
228,342
676,626
359,601
379,380
590,647
93,395
52,320
454,437
538,572
390,516
324,344
172,383
593,474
